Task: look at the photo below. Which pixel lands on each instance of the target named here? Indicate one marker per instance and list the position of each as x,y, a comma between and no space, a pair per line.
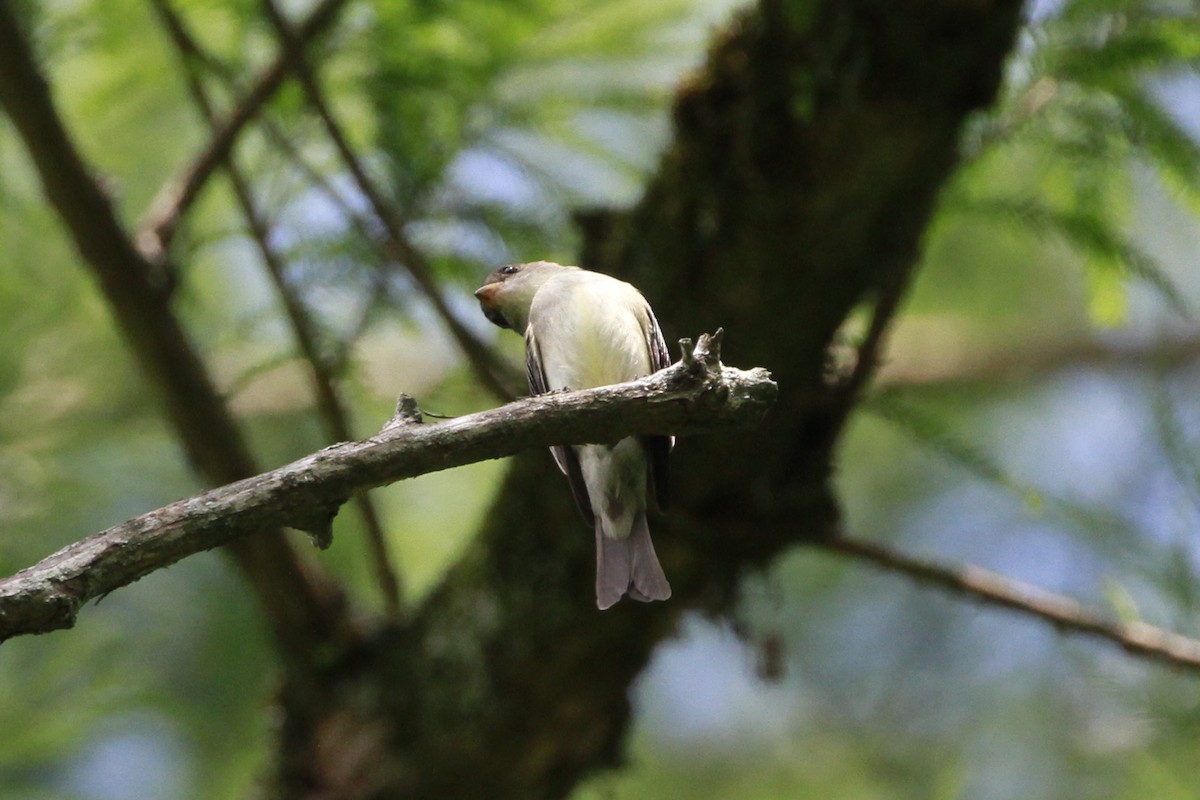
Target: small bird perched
582,330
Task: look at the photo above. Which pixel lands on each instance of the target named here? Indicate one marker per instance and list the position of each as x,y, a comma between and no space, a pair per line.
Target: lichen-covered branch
696,394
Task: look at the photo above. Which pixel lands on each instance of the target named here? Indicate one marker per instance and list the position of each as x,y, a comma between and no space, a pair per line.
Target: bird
585,329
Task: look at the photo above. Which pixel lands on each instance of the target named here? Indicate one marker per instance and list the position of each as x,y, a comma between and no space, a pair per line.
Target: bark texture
694,395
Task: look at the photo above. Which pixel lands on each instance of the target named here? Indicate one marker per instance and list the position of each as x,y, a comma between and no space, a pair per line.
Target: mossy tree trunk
807,156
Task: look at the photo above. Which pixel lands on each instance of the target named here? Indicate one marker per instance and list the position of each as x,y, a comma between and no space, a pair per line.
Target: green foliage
1109,255
933,431
1085,94
562,102
488,124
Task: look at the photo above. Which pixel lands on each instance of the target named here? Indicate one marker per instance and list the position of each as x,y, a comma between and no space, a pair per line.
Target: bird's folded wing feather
658,448
565,457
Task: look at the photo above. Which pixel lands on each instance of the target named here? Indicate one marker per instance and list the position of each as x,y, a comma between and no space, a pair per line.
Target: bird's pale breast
590,331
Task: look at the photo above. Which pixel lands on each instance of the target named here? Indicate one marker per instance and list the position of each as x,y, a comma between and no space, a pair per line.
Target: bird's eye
510,269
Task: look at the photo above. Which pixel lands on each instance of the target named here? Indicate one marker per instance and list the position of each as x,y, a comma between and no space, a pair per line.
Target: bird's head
507,292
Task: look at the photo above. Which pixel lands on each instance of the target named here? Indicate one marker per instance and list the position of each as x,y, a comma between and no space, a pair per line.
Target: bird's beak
487,294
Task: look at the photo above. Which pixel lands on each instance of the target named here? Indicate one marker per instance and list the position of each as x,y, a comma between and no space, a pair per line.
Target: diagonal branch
1064,613
329,399
399,247
384,264
302,605
696,394
845,392
291,151
177,195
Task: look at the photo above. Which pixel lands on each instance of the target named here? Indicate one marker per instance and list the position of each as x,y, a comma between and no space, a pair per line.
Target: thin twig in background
481,357
392,253
330,403
179,192
1064,613
362,228
388,263
384,265
305,608
849,390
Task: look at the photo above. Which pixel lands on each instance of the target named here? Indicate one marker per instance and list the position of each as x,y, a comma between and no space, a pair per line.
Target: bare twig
277,137
178,194
284,144
306,494
329,400
1065,613
481,357
867,358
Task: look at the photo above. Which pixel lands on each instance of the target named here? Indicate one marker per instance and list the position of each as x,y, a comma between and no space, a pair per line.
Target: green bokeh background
1033,414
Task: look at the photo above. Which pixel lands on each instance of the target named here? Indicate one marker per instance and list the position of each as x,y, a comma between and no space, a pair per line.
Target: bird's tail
628,566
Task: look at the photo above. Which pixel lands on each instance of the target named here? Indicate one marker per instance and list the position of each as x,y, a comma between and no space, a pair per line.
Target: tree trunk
807,156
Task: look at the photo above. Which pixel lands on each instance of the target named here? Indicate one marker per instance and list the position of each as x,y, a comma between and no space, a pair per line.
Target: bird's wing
658,448
660,358
565,457
533,364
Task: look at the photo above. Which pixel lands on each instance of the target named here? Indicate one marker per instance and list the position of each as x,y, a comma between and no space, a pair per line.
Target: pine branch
696,394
